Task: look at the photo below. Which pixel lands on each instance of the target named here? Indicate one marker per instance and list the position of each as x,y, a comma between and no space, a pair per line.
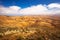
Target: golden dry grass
29,28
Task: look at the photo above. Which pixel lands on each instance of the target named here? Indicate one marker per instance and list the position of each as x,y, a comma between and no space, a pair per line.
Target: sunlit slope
12,21
29,28
24,21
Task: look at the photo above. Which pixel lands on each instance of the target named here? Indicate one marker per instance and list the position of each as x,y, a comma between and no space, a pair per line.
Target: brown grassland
29,27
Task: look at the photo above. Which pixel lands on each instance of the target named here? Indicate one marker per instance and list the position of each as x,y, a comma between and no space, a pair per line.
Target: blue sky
26,3
29,7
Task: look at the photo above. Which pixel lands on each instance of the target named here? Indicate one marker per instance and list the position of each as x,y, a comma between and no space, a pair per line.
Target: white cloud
12,10
53,8
34,10
54,5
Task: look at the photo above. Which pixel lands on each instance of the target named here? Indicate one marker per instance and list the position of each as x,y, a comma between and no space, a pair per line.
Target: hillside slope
29,28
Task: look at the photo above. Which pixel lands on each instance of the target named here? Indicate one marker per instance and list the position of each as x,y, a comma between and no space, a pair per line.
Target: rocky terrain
29,27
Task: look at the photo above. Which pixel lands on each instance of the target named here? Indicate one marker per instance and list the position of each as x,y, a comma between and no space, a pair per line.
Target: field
30,27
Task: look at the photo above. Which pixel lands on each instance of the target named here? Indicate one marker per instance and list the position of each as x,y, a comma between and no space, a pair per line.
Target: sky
29,7
26,3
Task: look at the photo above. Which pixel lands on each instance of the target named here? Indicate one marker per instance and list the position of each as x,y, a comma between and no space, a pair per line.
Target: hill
29,27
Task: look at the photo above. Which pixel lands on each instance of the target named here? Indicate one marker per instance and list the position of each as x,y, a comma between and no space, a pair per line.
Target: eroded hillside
29,28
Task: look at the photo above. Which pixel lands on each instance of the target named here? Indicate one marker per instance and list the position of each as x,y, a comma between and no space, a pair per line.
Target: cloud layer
53,8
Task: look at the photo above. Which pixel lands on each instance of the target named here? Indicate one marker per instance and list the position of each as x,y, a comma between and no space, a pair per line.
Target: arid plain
30,27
